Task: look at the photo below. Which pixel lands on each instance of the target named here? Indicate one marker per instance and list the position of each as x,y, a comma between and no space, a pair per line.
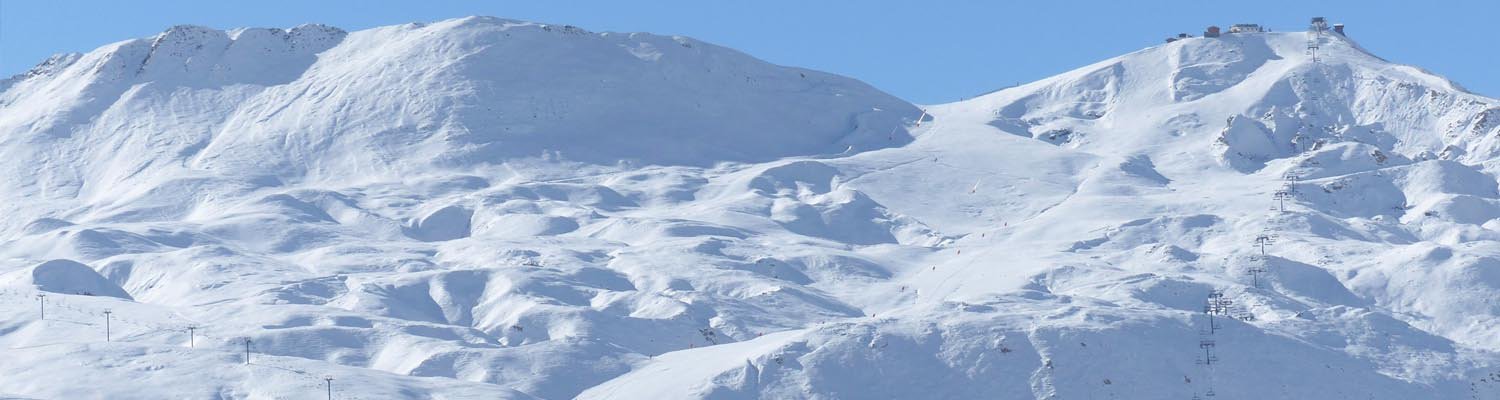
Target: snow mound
70,277
447,223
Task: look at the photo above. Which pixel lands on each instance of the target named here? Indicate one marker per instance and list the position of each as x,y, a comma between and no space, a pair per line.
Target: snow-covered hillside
486,208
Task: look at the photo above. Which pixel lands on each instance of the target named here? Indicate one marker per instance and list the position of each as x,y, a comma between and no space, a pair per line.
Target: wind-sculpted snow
486,208
1205,67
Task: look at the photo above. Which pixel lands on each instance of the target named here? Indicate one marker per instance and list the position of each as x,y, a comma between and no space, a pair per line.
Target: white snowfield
487,208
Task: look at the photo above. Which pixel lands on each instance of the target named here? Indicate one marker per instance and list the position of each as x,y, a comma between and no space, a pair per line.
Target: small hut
1246,28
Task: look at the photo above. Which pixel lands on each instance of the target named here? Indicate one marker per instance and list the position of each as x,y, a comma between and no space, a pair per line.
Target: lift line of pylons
1315,36
1218,306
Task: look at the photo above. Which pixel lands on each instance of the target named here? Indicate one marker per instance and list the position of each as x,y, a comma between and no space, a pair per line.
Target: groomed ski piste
489,208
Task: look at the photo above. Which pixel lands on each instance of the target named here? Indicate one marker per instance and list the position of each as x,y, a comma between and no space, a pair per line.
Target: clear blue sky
925,52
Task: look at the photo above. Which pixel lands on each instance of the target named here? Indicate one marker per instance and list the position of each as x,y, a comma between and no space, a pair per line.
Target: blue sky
925,52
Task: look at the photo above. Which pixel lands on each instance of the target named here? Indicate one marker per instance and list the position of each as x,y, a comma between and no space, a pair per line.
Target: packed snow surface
487,208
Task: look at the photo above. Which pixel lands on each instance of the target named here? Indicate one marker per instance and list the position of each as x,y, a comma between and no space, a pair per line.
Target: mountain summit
1268,96
489,208
314,102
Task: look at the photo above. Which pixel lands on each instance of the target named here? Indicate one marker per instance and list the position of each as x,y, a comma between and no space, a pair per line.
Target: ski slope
489,208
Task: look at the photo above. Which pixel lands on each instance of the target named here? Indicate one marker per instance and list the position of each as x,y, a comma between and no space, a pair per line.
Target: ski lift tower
1281,196
1314,35
1263,240
1319,24
1208,352
1255,271
1291,178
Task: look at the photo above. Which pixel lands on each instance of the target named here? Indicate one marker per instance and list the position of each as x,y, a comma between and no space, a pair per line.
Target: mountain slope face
491,208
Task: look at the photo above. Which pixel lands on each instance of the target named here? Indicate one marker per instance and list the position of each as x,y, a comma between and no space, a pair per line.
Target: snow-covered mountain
486,208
